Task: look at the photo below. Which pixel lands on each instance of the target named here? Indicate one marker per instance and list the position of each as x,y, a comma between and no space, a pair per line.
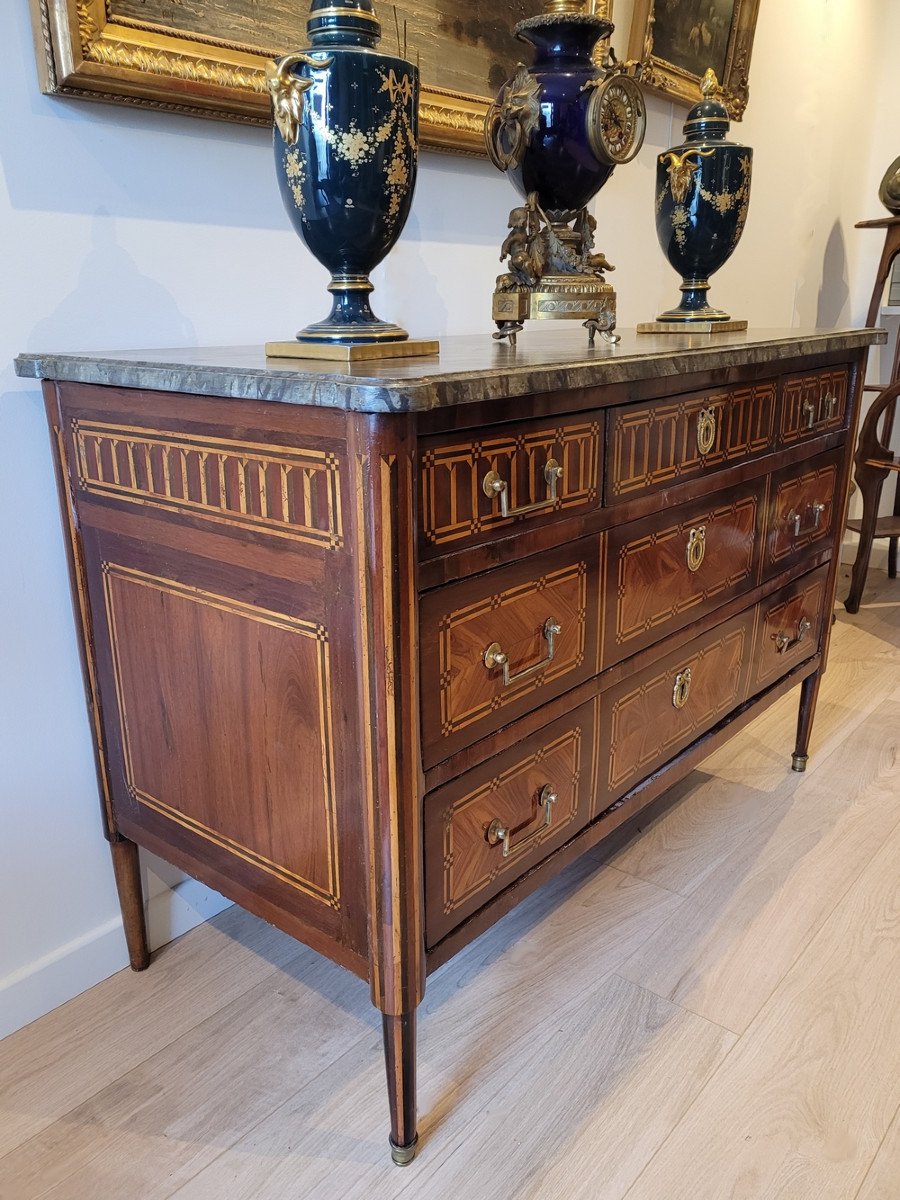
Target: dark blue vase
702,197
346,152
559,129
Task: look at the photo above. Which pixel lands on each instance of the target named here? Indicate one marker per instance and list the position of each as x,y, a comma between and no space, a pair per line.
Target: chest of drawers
376,653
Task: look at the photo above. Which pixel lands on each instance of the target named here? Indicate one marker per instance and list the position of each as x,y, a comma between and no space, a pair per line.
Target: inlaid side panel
672,568
655,445
498,645
273,489
649,717
455,509
465,862
226,728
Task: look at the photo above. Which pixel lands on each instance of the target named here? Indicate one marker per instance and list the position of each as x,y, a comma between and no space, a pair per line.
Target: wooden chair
874,463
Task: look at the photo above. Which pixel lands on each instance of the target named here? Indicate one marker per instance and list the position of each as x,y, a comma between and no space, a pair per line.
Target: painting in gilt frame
207,57
684,37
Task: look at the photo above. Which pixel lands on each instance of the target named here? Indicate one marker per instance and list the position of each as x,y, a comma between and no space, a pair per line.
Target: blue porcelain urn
346,152
702,197
558,129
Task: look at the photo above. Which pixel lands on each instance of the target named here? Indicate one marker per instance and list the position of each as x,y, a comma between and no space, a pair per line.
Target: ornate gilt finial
709,88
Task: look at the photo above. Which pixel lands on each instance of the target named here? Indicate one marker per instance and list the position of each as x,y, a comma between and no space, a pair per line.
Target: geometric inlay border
273,489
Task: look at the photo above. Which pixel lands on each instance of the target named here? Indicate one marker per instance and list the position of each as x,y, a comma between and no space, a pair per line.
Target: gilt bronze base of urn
346,152
558,129
702,197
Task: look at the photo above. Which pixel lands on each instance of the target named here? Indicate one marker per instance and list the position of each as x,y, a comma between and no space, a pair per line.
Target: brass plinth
692,326
354,352
556,298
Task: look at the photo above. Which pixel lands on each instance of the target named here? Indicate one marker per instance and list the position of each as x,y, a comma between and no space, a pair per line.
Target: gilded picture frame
679,39
212,63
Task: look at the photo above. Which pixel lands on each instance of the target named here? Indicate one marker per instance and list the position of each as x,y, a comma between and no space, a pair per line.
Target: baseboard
43,985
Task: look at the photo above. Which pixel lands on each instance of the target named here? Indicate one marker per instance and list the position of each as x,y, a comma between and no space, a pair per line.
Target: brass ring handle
493,485
696,548
682,688
495,657
287,90
784,641
706,430
796,519
498,833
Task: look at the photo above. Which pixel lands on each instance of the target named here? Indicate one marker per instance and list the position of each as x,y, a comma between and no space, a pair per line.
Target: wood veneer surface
716,1000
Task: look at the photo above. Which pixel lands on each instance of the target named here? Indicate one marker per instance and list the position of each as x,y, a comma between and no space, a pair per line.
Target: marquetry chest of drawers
375,652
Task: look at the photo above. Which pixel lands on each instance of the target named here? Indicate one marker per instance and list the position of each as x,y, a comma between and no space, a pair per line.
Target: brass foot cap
403,1155
799,761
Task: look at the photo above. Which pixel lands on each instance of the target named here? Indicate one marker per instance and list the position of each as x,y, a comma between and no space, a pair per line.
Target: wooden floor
710,1010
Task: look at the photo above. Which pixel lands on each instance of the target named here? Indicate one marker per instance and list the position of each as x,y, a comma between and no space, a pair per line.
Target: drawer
485,483
649,716
485,829
667,570
495,646
812,404
802,510
656,445
789,628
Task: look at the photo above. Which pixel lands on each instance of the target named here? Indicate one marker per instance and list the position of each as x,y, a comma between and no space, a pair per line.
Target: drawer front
656,445
812,404
667,570
498,645
802,510
485,829
789,628
648,717
534,472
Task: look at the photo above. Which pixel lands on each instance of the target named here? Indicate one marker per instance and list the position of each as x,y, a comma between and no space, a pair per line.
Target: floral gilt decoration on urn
558,129
702,198
346,153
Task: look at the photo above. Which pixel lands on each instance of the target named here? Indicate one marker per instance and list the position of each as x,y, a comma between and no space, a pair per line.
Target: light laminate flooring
707,1009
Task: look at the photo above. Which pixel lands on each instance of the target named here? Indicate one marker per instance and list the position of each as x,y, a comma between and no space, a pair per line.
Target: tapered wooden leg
809,694
892,558
131,901
400,1062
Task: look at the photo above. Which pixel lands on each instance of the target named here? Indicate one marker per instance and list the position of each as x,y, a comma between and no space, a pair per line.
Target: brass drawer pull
682,688
706,430
829,408
493,485
784,641
696,547
495,657
498,832
796,519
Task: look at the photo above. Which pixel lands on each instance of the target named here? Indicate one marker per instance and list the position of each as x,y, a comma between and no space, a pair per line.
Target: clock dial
616,120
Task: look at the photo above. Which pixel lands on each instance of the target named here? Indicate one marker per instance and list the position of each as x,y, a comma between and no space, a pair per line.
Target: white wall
125,228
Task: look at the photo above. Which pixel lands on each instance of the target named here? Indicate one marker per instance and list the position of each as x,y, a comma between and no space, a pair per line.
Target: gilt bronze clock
558,129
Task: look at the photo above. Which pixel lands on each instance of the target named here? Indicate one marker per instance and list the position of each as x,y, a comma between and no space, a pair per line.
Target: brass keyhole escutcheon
682,688
706,430
696,547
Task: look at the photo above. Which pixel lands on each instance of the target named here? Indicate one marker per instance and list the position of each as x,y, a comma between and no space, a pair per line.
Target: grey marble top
468,368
